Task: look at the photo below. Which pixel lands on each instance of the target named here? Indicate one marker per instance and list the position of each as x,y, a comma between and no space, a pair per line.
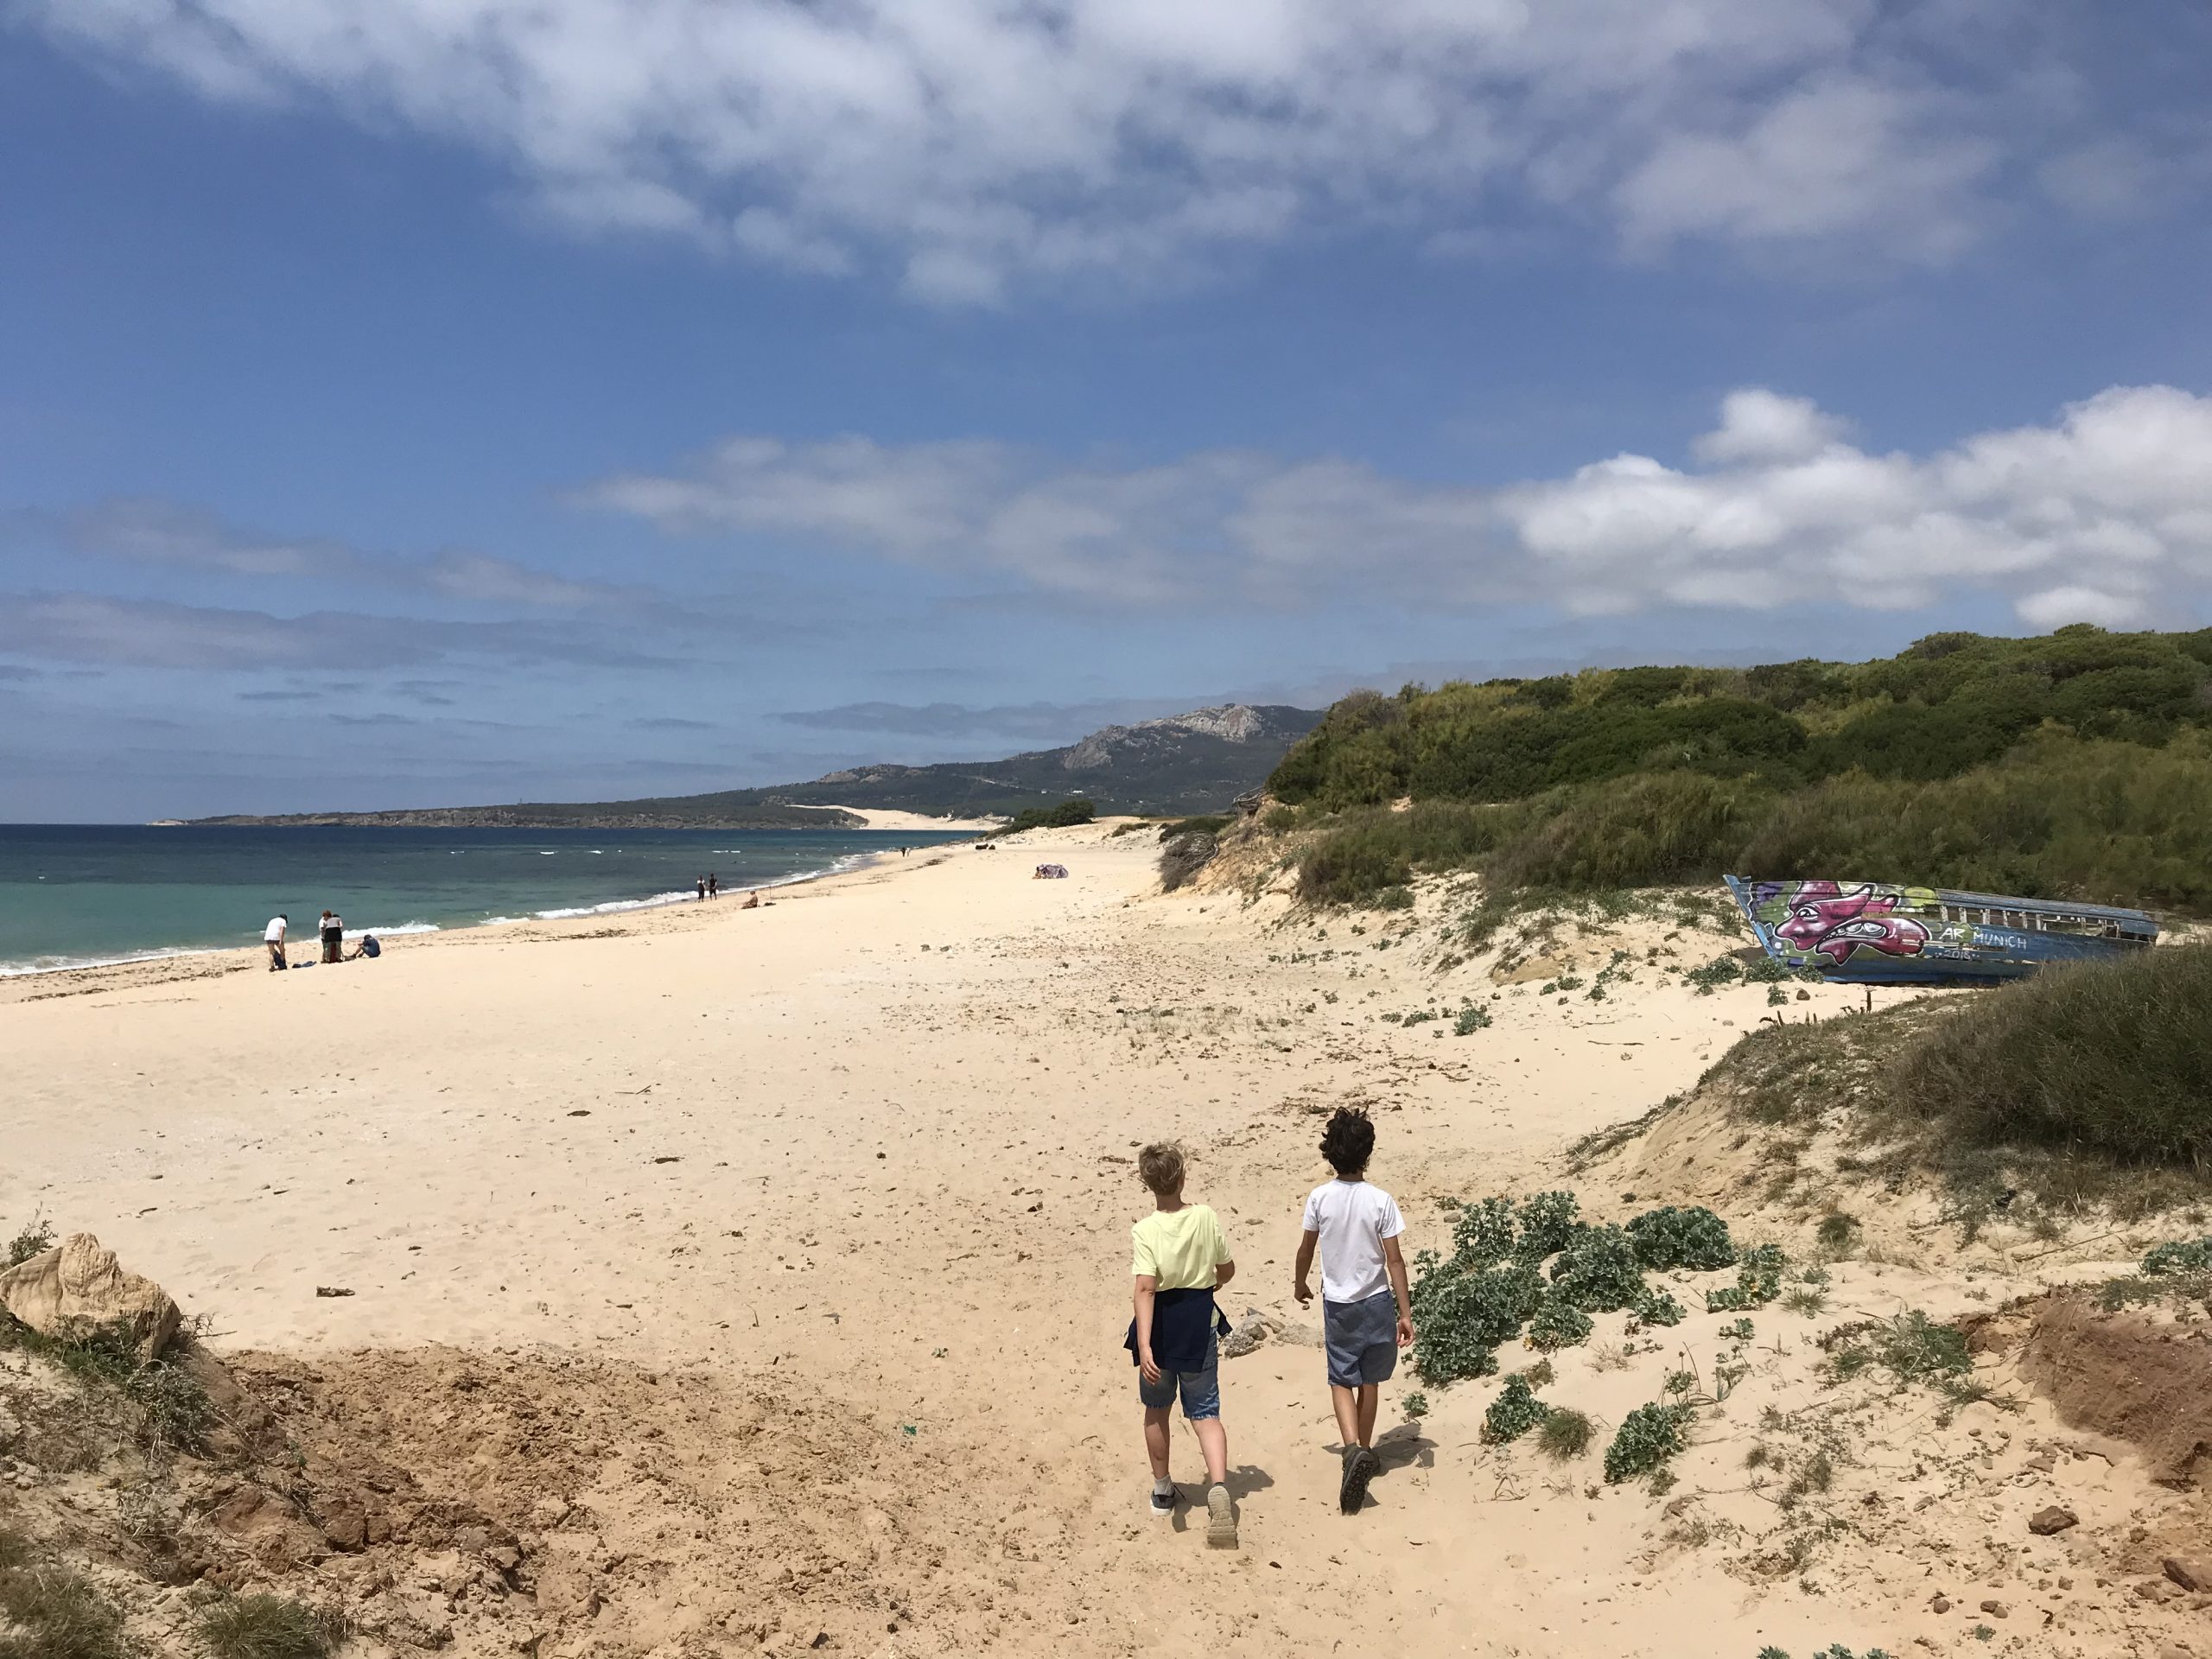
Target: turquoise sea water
71,894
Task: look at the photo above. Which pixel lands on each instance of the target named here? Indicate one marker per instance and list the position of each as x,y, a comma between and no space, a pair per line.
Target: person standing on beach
1179,1260
332,932
273,936
702,889
1363,1285
714,888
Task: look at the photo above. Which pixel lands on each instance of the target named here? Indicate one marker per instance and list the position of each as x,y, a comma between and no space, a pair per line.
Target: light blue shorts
1201,1389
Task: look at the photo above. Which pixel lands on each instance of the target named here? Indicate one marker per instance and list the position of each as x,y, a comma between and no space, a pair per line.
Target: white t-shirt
1353,1218
274,930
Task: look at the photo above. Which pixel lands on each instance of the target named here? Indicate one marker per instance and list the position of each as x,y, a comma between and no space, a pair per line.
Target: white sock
1161,1487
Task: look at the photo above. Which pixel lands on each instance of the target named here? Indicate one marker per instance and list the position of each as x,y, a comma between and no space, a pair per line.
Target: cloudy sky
425,400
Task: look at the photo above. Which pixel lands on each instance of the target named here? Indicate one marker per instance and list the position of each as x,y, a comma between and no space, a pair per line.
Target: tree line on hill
2072,765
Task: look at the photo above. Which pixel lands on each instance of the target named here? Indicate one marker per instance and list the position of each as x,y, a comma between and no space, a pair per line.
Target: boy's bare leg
1213,1441
1347,1402
1155,1439
1370,1399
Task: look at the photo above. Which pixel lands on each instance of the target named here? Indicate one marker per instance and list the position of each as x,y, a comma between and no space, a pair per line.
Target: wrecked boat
1882,933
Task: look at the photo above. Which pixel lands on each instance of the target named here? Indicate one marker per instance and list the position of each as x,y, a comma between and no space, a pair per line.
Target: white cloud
970,143
2103,515
152,532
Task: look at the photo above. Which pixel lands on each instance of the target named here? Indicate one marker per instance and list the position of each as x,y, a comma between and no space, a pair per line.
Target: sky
446,402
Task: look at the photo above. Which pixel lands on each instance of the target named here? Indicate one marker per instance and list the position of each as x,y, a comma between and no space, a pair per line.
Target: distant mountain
1196,762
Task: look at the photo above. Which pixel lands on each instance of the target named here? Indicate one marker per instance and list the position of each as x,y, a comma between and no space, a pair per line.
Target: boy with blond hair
1179,1258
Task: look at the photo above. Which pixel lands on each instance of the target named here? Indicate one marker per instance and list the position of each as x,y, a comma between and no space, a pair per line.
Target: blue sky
440,401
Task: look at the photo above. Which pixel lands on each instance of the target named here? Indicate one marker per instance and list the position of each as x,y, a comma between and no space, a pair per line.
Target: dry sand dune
757,1278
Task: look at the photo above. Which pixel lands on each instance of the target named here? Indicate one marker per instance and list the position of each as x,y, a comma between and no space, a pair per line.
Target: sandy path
872,1141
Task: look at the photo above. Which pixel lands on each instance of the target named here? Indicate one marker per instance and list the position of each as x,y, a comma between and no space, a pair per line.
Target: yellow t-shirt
1178,1248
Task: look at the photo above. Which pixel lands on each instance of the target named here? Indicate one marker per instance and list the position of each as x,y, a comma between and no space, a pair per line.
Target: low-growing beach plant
1599,1271
1834,1651
36,1239
1837,1231
1911,1348
1758,1281
1557,1324
1416,1405
1514,1413
2187,1255
1693,1238
1471,1019
1463,1318
1646,1438
1547,1223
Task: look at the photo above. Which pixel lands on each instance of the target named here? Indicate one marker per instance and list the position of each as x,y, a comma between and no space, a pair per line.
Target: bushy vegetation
2074,765
1694,1237
1468,1304
2112,1056
1061,815
1184,856
166,1405
269,1627
1647,1437
1514,1413
1911,1348
36,1238
56,1615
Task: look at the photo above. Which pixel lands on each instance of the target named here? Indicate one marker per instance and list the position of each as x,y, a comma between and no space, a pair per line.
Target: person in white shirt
1366,1306
273,936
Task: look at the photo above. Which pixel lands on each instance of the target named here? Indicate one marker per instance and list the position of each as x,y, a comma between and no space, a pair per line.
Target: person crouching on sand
332,933
1362,1286
1179,1258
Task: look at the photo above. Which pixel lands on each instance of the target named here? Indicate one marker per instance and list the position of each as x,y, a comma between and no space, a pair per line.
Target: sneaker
1163,1503
1221,1519
1360,1466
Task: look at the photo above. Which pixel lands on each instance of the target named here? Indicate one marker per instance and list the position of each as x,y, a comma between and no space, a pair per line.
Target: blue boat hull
1880,933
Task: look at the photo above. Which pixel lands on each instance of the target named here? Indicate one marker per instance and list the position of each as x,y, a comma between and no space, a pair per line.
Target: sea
80,895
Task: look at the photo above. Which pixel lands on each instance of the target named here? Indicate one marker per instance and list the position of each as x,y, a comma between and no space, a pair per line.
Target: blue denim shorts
1362,1338
1201,1389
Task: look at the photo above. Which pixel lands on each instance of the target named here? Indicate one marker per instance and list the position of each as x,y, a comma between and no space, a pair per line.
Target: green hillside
2076,764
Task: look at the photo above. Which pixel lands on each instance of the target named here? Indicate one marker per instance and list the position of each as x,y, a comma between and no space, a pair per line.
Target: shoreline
134,957
251,955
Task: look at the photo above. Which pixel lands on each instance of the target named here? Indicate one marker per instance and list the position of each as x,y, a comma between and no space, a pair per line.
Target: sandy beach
788,1249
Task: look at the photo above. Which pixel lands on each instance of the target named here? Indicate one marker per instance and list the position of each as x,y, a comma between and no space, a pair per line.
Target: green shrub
2192,1255
1656,1307
1549,1222
1647,1438
2107,1055
1758,1280
36,1239
1599,1273
1484,1235
1472,1018
1514,1413
1557,1324
1693,1238
1462,1317
269,1627
1279,820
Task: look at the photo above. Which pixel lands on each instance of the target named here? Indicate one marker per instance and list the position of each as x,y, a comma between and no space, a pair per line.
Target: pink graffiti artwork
1825,921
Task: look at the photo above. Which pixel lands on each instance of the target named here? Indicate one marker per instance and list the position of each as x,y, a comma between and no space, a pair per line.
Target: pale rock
79,1284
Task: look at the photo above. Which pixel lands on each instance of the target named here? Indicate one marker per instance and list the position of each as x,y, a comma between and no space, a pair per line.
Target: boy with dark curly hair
1366,1308
1179,1258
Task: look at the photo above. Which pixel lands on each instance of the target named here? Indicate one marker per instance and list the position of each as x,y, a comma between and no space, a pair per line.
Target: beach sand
799,1235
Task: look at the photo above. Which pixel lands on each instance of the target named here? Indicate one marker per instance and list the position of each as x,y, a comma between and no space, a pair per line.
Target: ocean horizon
88,895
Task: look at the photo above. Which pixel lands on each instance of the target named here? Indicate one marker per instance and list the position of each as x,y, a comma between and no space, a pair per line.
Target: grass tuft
270,1627
57,1615
1564,1433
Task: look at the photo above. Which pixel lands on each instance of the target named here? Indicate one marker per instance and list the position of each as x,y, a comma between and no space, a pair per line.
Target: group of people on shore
1181,1258
330,932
